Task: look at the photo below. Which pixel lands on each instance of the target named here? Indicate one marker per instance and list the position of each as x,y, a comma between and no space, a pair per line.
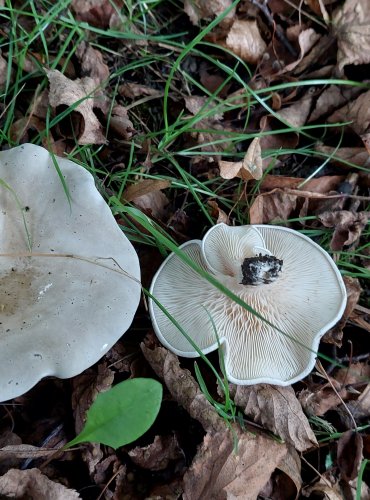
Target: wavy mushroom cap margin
66,300
283,275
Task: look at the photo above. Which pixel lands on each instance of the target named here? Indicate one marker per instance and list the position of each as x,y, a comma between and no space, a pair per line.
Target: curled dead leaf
249,168
278,410
65,93
306,40
348,226
95,12
120,122
244,39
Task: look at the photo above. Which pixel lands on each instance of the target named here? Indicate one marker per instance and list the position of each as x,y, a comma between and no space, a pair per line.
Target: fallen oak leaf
278,410
65,93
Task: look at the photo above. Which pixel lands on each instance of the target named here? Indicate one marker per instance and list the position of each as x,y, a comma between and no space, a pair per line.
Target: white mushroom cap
307,298
67,301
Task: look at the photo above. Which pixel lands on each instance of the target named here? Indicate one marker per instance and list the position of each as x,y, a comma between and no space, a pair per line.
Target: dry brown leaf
92,63
278,410
322,398
249,168
217,213
64,93
95,12
218,473
357,156
348,226
351,24
296,114
349,454
144,187
120,122
272,206
327,488
207,9
320,185
132,90
357,112
157,455
196,104
331,98
31,483
306,40
183,387
360,408
244,39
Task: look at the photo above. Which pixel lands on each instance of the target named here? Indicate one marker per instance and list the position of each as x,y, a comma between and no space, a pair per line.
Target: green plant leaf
122,414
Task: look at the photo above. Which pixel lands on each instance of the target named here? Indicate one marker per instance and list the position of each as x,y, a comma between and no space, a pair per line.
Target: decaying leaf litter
263,120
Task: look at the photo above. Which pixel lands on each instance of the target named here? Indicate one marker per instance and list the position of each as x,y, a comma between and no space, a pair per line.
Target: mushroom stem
260,270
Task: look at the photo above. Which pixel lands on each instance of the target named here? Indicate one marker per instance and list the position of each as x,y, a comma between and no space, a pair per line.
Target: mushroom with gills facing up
280,273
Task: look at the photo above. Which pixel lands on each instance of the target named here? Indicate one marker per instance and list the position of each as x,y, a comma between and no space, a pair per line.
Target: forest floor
190,114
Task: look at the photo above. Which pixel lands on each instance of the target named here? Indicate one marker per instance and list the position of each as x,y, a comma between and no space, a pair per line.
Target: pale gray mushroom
69,277
283,275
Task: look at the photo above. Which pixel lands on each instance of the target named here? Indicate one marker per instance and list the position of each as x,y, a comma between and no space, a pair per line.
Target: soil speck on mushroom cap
259,270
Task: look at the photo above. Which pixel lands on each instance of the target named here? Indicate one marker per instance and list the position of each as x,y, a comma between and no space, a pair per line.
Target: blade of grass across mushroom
21,209
149,225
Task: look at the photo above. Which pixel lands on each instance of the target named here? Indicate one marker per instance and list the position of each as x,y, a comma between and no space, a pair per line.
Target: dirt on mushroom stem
262,269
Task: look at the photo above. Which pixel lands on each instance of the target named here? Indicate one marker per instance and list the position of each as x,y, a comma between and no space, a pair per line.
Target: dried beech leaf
306,40
183,387
296,114
349,454
278,410
268,207
249,168
320,185
217,472
64,93
352,28
245,40
143,187
31,483
348,226
120,122
217,213
207,9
